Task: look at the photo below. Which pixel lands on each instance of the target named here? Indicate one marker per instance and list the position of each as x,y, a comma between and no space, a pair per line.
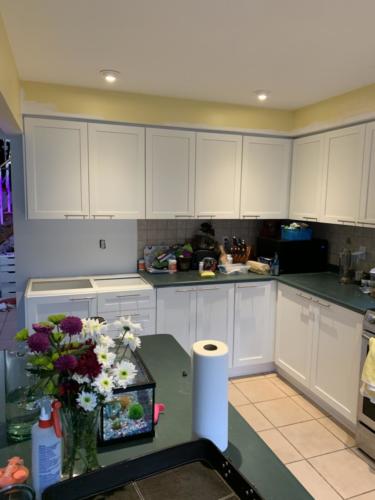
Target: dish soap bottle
46,447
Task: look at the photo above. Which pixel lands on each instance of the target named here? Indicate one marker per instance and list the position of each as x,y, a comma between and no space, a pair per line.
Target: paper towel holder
210,347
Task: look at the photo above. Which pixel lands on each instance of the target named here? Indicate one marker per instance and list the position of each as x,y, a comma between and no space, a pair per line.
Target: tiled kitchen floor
319,452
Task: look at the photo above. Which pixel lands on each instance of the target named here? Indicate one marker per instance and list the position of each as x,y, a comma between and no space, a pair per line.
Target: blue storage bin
296,234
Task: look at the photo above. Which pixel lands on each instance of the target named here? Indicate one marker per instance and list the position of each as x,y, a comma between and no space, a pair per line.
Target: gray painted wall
65,248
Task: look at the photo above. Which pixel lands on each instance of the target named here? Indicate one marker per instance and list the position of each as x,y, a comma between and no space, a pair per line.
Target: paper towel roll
210,391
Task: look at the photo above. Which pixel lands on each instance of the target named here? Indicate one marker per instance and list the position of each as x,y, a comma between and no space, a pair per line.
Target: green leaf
22,335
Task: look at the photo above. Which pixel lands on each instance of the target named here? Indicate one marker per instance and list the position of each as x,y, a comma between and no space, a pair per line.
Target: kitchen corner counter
327,286
192,278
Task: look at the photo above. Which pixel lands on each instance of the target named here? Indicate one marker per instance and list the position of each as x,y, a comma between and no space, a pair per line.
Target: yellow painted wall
10,108
141,108
339,108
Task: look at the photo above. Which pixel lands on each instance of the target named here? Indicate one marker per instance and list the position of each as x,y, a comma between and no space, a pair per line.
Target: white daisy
81,379
123,322
104,384
105,358
124,373
132,340
87,400
92,327
106,341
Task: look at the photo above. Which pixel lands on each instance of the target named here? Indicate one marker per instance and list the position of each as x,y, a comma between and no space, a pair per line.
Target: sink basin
131,282
53,285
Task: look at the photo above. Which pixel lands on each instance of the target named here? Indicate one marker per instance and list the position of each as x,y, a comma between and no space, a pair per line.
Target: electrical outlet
102,244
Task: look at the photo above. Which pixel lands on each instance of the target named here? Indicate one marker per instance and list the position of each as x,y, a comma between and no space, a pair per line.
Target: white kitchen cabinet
145,317
367,206
265,178
335,370
306,180
125,300
254,323
215,309
38,309
170,173
342,174
218,175
176,314
56,169
294,333
117,171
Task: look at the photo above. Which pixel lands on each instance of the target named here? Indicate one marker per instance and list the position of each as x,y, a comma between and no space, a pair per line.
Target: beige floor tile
240,380
284,386
365,496
254,417
283,412
311,438
260,390
280,446
312,481
338,431
235,396
270,375
309,407
345,472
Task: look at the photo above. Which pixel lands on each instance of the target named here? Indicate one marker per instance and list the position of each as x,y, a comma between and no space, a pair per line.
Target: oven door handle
367,337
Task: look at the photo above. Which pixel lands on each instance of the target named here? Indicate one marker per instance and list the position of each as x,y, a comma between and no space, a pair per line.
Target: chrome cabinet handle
250,216
344,221
126,296
186,291
109,216
206,216
127,314
309,218
75,215
177,216
247,286
322,303
303,296
208,289
81,298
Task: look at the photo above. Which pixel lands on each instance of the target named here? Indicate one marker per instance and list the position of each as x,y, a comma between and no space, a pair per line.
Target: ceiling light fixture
262,95
109,75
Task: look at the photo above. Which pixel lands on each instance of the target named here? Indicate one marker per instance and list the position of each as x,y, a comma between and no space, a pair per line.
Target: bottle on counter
46,439
172,266
275,266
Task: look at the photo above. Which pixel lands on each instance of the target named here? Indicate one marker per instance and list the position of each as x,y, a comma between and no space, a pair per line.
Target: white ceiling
220,50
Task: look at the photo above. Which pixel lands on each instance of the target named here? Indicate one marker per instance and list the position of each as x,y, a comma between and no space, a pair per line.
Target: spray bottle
46,447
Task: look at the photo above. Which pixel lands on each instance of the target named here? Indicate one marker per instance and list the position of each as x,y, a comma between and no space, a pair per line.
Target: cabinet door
265,178
117,171
176,314
170,173
215,311
344,151
218,172
82,306
56,169
254,324
306,183
336,357
294,329
367,208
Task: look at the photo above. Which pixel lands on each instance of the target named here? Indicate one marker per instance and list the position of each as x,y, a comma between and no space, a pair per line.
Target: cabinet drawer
125,301
146,317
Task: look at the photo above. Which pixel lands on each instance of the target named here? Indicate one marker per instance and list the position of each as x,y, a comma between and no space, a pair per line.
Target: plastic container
172,266
296,234
141,265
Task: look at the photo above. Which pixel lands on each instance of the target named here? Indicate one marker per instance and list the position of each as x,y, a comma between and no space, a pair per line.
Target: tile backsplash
160,232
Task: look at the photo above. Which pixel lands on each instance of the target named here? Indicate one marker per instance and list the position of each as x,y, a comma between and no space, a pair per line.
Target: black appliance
296,256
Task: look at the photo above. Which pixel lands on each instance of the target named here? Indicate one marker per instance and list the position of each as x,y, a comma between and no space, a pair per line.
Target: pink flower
43,328
71,325
38,342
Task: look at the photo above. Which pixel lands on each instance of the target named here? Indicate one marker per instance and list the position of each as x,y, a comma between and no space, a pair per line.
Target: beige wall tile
312,481
346,472
254,417
283,412
280,446
311,438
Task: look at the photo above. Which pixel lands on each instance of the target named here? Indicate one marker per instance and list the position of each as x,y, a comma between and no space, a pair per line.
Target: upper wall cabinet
306,183
56,169
265,178
342,174
170,173
367,206
117,171
218,172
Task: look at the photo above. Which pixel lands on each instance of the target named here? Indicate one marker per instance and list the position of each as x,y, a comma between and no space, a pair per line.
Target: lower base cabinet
318,344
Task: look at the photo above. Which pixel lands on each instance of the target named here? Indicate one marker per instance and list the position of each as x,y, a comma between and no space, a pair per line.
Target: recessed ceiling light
110,75
262,95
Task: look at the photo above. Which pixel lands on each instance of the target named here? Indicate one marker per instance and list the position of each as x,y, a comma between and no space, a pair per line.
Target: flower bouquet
75,362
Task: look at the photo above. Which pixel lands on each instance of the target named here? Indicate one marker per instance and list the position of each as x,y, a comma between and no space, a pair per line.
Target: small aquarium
130,414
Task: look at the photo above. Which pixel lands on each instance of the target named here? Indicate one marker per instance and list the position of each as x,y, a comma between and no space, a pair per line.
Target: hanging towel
368,373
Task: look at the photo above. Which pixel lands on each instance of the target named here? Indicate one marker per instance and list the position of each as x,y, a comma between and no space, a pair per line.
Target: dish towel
368,373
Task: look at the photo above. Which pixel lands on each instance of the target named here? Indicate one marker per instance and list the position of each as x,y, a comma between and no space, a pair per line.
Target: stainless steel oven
365,434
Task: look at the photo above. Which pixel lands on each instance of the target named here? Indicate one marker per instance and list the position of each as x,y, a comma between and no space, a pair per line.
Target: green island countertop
167,362
324,285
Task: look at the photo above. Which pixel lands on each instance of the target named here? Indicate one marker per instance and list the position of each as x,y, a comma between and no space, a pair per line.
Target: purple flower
71,325
65,363
43,328
38,342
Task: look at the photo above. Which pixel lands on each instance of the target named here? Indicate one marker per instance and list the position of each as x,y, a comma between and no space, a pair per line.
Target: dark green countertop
166,361
325,285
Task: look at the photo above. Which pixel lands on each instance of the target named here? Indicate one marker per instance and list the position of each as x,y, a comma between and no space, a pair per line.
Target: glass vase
80,430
